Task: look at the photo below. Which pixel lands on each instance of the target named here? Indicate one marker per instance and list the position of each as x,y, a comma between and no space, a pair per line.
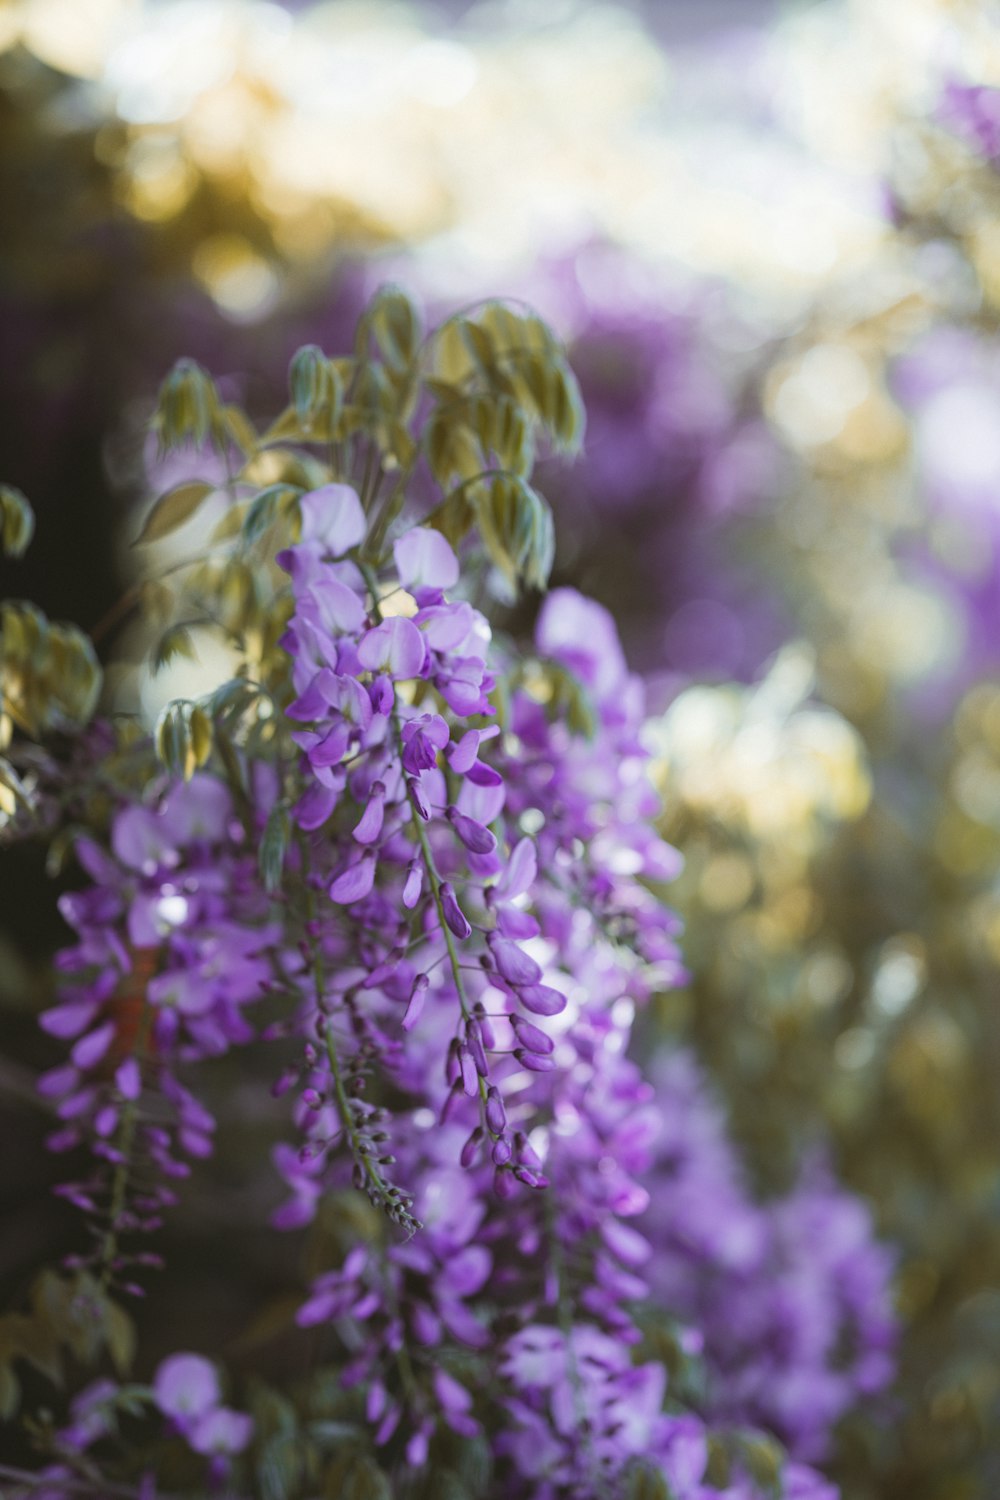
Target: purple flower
221,1431
186,1387
332,518
396,647
354,883
424,560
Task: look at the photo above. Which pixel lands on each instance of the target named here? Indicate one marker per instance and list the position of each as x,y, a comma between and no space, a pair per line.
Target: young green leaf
174,508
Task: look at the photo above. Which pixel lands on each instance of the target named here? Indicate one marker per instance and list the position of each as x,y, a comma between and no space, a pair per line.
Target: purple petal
370,823
413,884
395,646
186,1386
354,883
128,1079
473,835
542,999
582,635
424,559
530,1036
534,1061
496,1115
520,925
513,964
452,1395
519,876
221,1431
314,806
332,515
92,1047
415,1006
69,1020
453,913
470,1074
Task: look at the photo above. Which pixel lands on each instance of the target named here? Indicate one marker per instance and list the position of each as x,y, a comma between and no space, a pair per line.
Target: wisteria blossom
410,874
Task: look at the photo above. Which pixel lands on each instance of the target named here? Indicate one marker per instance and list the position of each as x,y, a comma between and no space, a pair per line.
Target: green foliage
272,506
17,521
317,390
50,678
644,1482
174,642
472,398
67,1315
189,410
183,737
172,509
274,846
516,528
358,1478
392,321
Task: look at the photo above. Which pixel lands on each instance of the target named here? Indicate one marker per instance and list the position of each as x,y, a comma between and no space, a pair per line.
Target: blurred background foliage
771,239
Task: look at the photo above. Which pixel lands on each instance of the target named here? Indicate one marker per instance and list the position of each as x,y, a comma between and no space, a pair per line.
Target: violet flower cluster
789,1301
501,1010
430,868
174,942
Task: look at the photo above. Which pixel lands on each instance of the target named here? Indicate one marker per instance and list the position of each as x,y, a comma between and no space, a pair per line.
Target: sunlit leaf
171,510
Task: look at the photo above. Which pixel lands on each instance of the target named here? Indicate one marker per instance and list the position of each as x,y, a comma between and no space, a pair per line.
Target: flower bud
415,1005
496,1115
472,1147
501,1151
414,881
475,836
470,1075
530,1036
453,913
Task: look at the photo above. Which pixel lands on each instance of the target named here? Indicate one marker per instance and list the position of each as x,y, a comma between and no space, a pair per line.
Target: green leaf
288,426
480,343
274,846
13,791
17,521
183,737
393,319
240,429
764,1458
120,1335
453,449
454,516
200,734
174,508
317,390
37,1340
280,1466
515,524
364,1481
644,1482
173,643
188,408
230,701
10,1393
269,506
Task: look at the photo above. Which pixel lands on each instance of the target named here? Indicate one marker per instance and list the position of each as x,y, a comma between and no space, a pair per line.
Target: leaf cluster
463,405
50,678
67,1316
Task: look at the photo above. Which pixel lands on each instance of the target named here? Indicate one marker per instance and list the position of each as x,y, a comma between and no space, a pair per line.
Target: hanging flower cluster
413,872
784,1298
174,943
